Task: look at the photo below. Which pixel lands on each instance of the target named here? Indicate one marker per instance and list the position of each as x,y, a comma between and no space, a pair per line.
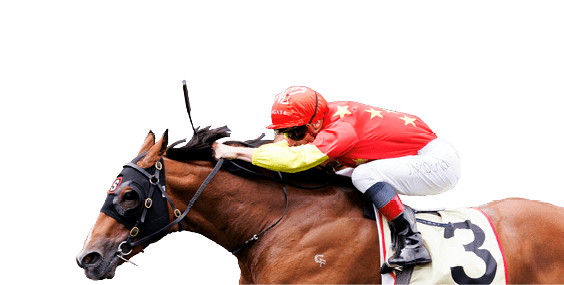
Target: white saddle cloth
468,252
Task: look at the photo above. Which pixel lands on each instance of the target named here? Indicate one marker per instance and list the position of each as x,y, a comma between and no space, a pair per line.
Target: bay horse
326,222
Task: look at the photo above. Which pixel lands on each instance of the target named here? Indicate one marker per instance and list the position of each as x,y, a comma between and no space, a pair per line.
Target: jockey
390,152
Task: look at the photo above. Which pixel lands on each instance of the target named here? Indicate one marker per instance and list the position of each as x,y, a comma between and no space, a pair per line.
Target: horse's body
324,237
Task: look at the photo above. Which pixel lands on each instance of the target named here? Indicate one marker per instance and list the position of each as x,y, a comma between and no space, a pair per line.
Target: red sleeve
336,139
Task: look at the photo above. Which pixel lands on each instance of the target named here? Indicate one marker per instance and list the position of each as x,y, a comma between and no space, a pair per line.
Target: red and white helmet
297,106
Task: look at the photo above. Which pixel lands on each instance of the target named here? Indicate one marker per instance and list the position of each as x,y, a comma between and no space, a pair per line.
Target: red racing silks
356,133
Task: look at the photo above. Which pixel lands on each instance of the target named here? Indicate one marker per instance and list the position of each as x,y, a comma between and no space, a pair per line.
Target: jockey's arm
275,156
231,152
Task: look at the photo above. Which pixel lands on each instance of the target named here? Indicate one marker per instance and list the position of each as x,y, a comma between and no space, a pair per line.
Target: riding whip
187,101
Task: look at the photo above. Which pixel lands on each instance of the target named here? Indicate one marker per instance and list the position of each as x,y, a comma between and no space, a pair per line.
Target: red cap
295,106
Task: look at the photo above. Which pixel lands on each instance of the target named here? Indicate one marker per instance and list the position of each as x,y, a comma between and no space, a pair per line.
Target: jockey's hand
223,151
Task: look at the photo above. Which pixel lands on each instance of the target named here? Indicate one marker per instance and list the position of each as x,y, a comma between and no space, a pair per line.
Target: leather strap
281,180
256,237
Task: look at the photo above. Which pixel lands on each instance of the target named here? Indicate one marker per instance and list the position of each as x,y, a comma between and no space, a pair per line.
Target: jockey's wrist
244,153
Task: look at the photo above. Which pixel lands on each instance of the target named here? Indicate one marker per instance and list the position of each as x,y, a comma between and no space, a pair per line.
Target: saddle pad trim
387,278
498,243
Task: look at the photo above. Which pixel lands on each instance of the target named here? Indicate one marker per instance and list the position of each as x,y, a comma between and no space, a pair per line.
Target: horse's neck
318,223
231,209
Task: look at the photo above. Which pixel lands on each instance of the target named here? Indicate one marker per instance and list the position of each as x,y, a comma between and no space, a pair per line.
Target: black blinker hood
148,220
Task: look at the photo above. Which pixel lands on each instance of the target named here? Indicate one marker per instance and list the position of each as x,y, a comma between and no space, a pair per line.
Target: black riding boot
411,250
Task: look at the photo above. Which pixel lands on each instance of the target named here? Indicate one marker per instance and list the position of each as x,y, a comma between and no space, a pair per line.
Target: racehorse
327,222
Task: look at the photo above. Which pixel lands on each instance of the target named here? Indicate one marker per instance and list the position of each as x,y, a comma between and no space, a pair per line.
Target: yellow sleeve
281,157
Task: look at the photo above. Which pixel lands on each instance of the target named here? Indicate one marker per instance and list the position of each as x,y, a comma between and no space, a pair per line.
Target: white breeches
434,170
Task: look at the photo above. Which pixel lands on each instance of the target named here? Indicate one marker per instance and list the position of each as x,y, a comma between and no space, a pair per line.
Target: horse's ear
148,143
156,151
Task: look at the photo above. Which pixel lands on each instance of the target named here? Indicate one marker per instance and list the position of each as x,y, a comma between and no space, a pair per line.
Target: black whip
187,101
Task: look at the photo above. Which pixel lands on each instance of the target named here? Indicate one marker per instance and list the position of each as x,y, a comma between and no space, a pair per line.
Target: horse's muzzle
96,266
89,260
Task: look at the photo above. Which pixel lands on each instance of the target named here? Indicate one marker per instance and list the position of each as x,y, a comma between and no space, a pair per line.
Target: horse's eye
129,200
128,196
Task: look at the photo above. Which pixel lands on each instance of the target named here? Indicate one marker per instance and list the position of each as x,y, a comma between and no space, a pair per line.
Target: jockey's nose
91,259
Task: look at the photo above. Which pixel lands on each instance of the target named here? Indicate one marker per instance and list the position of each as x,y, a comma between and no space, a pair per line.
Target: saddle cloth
463,244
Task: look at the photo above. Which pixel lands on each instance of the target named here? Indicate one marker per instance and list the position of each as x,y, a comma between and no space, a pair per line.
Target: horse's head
134,208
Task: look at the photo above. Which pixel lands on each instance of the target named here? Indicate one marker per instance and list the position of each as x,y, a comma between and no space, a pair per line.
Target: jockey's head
295,109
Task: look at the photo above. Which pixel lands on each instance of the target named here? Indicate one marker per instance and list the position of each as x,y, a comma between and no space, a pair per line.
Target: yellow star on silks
374,113
360,161
342,111
409,120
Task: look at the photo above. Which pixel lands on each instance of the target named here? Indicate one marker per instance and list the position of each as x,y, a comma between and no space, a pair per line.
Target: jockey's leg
412,250
434,170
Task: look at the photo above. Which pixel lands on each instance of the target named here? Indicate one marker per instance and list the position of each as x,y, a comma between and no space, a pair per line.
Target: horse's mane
200,146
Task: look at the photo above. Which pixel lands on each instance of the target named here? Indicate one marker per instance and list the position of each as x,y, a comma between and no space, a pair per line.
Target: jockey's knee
363,177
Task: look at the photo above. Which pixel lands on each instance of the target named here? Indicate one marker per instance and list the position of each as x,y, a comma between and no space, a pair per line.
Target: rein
281,180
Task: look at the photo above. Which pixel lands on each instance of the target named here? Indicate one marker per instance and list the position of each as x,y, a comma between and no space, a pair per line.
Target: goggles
294,133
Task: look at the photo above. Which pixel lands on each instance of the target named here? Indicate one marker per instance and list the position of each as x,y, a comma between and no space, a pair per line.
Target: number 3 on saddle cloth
463,245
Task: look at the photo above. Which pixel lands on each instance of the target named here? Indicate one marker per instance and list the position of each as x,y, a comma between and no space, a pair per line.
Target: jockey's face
312,131
309,137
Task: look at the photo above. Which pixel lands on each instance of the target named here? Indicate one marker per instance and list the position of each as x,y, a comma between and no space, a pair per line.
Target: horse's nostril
89,260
